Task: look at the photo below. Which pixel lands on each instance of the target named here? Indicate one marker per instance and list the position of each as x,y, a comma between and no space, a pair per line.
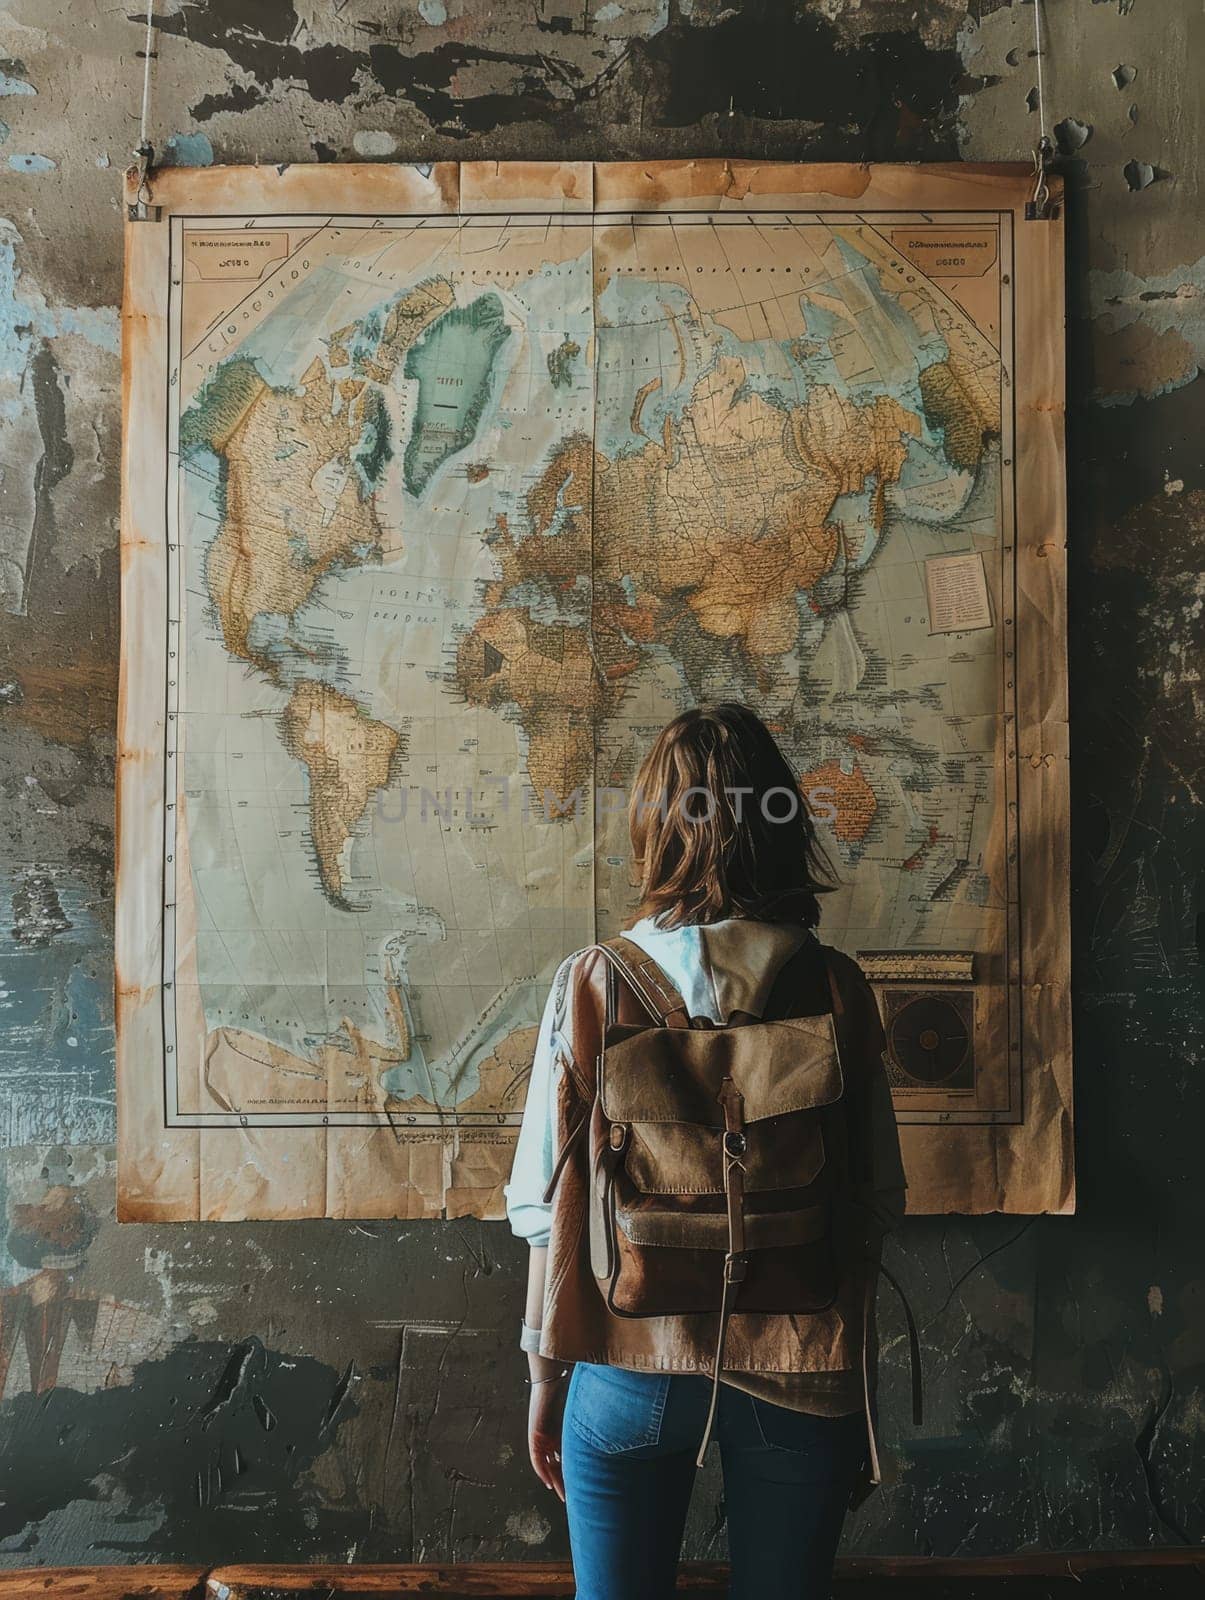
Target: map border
876,219
229,1171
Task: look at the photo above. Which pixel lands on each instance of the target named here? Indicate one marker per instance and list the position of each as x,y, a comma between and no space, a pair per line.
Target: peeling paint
27,161
25,315
1071,135
1150,331
374,142
189,150
28,325
1139,174
528,1527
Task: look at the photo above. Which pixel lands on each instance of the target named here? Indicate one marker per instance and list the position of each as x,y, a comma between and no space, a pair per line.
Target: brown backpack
719,1156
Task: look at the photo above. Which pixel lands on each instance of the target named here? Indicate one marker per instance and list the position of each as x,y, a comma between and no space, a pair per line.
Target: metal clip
141,210
1039,207
736,1265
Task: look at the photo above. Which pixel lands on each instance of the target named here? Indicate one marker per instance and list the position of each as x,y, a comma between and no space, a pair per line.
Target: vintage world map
460,509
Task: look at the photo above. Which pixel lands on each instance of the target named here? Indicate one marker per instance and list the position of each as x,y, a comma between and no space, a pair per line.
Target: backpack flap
675,1074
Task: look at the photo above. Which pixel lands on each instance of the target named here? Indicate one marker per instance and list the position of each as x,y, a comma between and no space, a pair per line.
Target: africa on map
461,506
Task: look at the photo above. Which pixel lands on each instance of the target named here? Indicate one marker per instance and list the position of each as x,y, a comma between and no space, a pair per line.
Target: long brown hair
713,827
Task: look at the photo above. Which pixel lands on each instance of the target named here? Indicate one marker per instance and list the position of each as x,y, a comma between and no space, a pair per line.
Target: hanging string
146,81
1039,50
1039,204
144,152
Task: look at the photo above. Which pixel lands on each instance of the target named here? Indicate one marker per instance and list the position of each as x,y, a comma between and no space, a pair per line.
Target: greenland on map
445,487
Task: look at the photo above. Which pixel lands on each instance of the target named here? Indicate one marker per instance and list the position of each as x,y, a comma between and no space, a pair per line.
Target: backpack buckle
735,1145
618,1136
735,1268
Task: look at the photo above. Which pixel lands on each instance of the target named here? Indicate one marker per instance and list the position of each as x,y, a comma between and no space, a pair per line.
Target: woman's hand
549,1385
545,1414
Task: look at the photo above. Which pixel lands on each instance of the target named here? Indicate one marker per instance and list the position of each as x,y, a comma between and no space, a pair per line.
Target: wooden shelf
1148,1573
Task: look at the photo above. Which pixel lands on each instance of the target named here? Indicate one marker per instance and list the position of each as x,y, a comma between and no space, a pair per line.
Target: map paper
444,488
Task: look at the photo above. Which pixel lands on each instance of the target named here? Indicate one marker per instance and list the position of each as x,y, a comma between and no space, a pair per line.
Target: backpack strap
877,1270
914,1350
646,980
736,1262
655,992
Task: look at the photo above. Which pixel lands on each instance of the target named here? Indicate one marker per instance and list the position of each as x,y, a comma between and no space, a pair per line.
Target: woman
729,874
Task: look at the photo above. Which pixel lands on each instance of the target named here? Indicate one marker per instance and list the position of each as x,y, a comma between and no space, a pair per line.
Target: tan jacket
577,1324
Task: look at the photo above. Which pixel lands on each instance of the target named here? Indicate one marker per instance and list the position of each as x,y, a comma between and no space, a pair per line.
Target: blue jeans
628,1451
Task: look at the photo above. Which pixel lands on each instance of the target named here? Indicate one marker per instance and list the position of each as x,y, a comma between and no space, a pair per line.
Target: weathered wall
351,1391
